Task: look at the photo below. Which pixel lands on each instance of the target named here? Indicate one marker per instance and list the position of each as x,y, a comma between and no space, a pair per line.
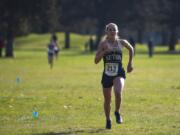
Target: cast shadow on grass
75,131
159,52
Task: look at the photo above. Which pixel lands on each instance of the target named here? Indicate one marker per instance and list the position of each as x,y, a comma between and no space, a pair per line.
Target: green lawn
69,98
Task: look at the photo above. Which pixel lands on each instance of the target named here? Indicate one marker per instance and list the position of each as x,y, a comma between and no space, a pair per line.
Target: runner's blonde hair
106,29
111,24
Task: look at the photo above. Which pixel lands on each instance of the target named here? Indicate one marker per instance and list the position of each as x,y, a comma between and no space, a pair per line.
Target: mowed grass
69,98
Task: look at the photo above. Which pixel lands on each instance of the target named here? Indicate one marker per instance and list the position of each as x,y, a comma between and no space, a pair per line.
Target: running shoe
118,116
108,124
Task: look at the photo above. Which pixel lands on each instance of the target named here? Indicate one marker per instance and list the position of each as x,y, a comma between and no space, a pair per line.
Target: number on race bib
111,69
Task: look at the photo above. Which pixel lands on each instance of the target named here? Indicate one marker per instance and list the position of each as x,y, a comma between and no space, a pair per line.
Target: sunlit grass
69,98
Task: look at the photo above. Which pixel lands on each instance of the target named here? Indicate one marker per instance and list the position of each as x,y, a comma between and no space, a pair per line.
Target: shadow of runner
160,52
75,131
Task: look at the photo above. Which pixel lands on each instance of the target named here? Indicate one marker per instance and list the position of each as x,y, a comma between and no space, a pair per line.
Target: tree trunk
140,36
67,39
101,7
164,37
9,45
98,38
10,38
172,42
100,29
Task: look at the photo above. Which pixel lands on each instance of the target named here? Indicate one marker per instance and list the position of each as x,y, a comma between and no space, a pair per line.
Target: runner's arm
126,44
99,54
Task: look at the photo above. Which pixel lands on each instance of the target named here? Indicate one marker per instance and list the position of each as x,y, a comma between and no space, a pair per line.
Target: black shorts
56,51
107,81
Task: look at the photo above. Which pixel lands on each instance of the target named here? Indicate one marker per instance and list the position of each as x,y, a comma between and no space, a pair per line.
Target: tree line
20,17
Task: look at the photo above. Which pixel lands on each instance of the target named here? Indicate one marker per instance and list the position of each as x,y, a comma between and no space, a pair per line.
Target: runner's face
111,31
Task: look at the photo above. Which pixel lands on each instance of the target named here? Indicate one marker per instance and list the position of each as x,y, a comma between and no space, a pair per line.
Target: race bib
111,69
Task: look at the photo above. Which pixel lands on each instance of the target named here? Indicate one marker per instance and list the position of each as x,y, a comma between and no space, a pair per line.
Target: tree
169,12
11,14
116,11
37,16
174,23
73,13
53,15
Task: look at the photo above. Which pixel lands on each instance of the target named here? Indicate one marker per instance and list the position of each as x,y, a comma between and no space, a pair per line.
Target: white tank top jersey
113,59
117,47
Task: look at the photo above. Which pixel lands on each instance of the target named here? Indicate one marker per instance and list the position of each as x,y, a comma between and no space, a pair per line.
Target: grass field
69,98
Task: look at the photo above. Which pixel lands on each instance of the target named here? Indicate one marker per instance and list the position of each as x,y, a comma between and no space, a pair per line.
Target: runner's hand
129,67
